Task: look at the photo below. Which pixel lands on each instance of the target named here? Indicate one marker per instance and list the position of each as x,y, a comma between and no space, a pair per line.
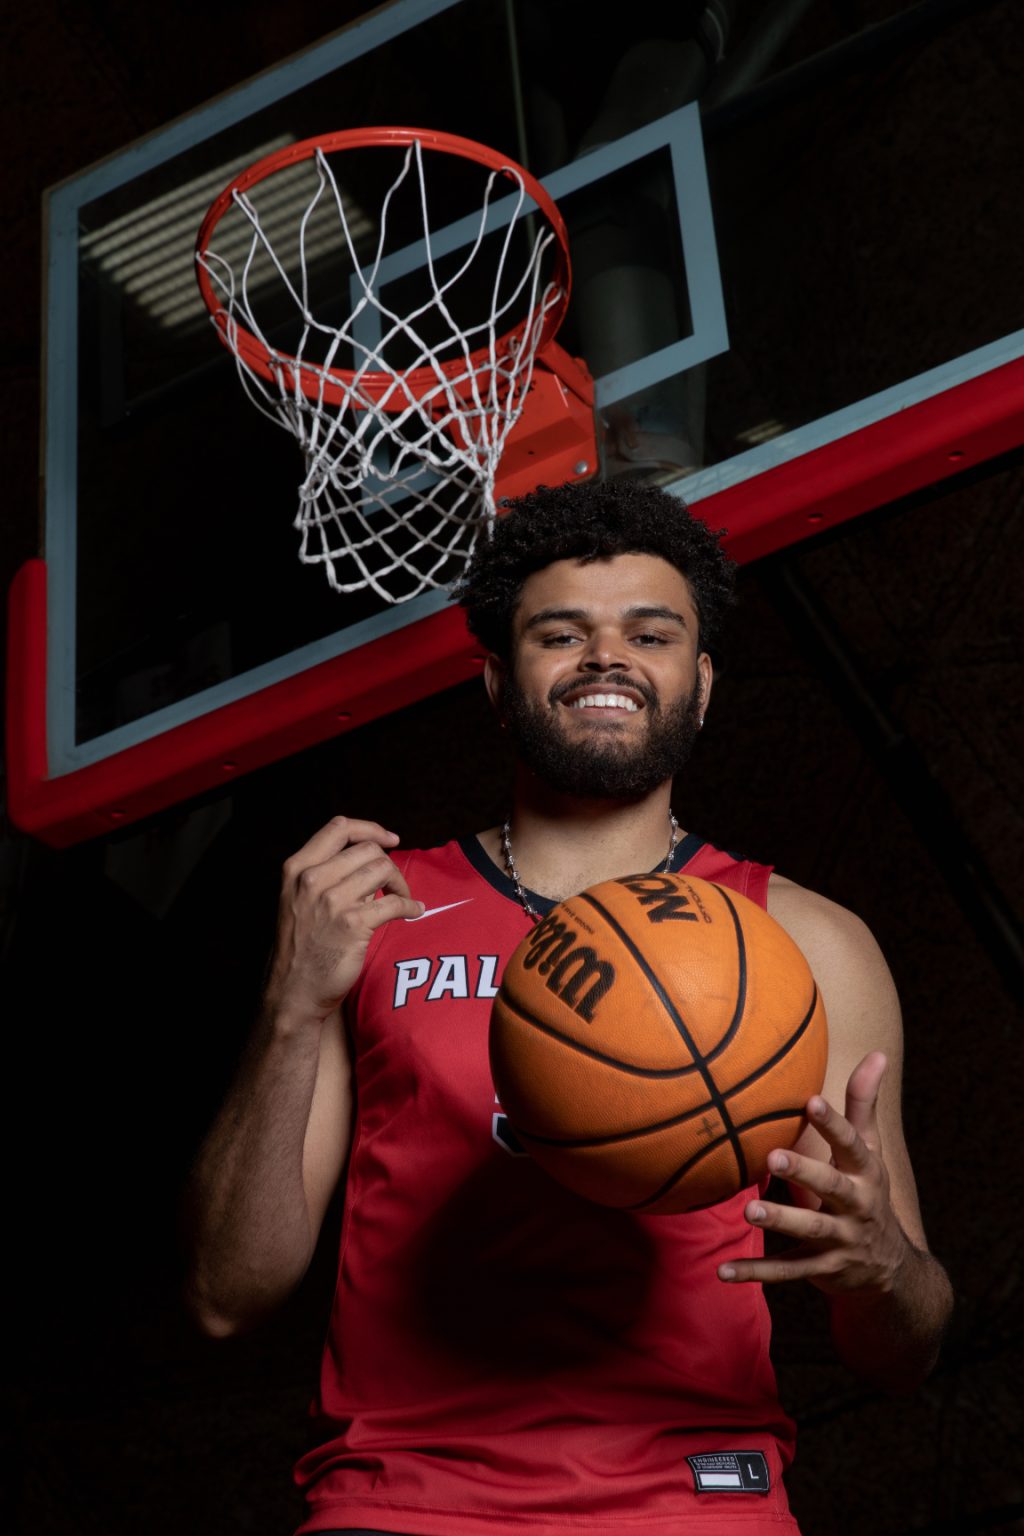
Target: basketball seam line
777,1114
788,1045
614,1136
665,1073
677,1120
741,980
699,1061
649,1130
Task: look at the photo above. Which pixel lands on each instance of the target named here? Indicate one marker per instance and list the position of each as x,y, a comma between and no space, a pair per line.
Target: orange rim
374,383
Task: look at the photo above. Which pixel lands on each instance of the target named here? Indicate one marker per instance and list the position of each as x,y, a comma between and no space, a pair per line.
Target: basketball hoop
402,448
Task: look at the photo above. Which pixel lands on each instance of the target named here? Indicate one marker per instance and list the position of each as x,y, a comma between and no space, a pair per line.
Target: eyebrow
581,615
656,611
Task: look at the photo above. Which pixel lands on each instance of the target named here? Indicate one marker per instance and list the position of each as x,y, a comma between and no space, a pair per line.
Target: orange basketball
654,1038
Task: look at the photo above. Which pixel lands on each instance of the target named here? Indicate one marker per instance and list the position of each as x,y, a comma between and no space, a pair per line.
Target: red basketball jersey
503,1354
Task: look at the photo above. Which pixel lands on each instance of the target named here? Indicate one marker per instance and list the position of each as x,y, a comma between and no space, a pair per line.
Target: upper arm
863,1015
329,1128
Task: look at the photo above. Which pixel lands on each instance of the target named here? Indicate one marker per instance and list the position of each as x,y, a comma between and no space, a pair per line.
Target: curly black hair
591,521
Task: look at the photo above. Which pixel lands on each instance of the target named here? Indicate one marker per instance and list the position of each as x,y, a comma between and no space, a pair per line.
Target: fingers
815,1233
390,907
359,871
847,1241
820,1239
363,883
833,1183
339,833
340,851
797,1222
858,1249
850,1152
797,1264
336,892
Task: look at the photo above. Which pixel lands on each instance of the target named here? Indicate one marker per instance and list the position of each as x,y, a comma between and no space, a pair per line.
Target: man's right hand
329,911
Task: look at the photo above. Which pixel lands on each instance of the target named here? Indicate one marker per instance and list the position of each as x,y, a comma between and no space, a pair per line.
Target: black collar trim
686,849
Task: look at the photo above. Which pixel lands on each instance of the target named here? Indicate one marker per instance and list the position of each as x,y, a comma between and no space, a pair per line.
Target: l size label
730,1472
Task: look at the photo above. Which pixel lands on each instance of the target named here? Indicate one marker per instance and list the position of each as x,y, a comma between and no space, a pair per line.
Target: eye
561,638
649,638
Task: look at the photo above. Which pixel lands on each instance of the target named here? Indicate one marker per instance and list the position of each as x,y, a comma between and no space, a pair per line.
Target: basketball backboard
728,302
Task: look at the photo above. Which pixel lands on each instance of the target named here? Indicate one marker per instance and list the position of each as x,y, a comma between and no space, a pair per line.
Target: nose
604,652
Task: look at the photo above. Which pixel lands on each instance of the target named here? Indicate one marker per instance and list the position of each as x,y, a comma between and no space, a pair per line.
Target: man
501,1354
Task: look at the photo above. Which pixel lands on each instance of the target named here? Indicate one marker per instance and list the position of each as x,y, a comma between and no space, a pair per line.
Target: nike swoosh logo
433,911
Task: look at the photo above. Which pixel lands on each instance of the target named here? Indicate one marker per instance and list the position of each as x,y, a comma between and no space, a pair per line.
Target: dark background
865,738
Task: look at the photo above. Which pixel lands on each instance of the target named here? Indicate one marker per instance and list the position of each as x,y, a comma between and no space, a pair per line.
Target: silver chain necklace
513,873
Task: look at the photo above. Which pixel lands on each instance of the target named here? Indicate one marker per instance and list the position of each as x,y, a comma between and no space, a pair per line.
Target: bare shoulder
806,914
853,978
842,952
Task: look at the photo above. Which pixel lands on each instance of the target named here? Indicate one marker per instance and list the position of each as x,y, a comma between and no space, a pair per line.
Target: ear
706,677
494,680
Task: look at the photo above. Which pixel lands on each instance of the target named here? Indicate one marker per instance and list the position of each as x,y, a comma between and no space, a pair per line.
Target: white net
400,461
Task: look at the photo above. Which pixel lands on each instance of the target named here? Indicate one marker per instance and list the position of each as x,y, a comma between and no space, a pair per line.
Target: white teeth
605,701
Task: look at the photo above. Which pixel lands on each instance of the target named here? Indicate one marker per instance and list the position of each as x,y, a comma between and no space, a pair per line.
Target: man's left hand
852,1240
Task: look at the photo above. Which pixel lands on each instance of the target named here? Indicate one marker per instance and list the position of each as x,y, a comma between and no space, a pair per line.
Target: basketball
653,1039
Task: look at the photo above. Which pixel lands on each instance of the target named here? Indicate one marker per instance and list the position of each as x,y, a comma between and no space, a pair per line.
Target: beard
605,768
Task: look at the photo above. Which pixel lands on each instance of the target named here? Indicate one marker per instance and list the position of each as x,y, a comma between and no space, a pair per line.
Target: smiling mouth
604,701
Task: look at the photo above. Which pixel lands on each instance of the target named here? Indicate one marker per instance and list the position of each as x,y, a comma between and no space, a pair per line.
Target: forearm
265,1175
250,1233
891,1337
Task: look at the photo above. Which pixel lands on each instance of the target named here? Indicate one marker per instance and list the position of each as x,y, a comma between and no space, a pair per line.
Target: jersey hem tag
730,1472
